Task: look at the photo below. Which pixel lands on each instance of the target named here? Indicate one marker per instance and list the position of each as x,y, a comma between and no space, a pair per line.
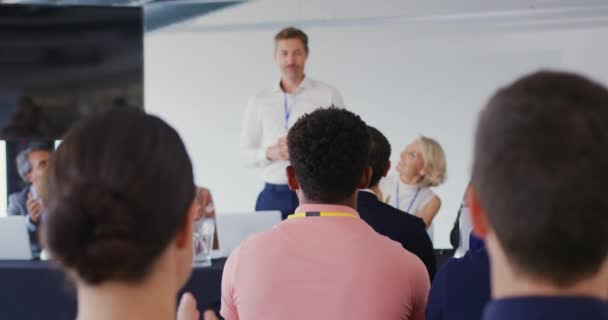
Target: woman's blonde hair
434,161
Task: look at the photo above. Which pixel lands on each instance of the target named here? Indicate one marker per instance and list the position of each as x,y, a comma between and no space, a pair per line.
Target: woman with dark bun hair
120,214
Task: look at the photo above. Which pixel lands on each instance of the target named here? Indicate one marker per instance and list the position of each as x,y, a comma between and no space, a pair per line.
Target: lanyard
288,109
321,214
411,202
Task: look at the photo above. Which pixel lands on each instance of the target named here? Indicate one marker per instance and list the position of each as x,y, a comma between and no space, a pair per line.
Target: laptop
232,228
14,240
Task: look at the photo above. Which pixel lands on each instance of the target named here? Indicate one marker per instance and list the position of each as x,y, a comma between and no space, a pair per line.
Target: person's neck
351,201
150,300
376,190
290,85
508,282
413,180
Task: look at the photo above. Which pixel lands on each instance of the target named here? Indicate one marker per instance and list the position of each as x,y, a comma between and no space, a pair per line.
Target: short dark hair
540,168
328,150
292,33
379,154
119,188
24,167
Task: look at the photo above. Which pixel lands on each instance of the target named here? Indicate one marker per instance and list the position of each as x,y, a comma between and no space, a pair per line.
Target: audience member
324,262
270,113
461,229
538,197
205,209
422,165
461,236
31,166
461,288
406,229
120,216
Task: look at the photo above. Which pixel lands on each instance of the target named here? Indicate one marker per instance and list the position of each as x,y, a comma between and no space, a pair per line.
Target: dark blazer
461,289
17,207
399,226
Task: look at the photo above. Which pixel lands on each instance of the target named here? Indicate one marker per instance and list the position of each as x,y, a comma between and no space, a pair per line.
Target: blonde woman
421,166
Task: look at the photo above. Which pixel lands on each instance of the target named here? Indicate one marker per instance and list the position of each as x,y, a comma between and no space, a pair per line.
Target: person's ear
479,220
184,235
386,170
30,176
366,178
292,180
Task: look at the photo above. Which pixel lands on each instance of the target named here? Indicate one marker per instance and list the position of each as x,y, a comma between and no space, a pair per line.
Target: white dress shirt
264,121
411,198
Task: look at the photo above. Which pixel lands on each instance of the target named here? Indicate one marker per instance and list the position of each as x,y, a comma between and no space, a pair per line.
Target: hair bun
115,205
96,233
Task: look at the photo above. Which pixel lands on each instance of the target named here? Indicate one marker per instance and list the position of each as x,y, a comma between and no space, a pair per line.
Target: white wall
402,77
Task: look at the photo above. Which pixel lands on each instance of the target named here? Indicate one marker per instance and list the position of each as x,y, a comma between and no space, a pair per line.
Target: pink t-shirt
323,268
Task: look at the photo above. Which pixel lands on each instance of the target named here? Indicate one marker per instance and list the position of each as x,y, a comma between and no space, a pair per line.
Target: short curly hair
379,155
328,149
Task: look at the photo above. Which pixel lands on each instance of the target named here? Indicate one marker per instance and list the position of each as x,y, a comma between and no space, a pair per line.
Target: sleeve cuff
31,227
261,157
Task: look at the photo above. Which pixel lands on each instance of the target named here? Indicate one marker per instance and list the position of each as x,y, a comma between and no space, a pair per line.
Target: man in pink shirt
324,262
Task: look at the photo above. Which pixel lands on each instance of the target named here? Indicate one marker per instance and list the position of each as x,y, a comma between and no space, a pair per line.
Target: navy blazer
461,289
399,226
547,307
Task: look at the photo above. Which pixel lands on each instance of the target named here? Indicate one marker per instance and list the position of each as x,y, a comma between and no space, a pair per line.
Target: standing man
270,113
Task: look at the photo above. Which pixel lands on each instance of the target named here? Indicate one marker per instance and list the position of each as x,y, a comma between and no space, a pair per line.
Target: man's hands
34,209
187,310
279,150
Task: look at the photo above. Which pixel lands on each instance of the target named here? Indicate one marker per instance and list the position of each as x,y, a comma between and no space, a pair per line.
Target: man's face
291,57
39,160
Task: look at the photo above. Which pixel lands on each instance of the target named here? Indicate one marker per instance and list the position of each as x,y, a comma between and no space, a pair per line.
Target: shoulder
20,195
396,224
416,270
323,86
401,259
435,200
473,264
427,193
320,84
410,227
388,183
398,217
17,202
14,196
261,96
260,242
469,274
428,197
